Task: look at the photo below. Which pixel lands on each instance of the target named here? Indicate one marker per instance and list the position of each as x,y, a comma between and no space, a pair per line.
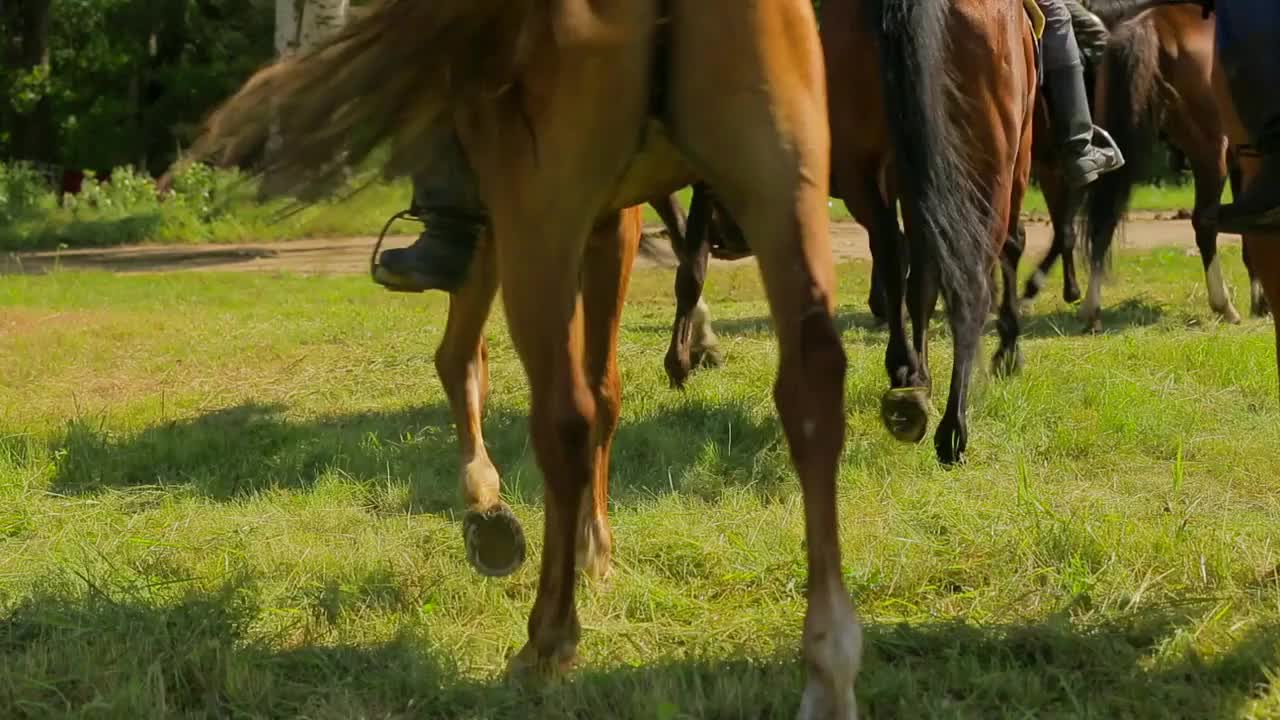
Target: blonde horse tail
390,76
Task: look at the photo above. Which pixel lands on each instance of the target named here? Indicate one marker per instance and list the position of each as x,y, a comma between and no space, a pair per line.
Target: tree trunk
33,131
300,25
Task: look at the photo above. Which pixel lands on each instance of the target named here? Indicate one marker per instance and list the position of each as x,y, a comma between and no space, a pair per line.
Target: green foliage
129,80
23,192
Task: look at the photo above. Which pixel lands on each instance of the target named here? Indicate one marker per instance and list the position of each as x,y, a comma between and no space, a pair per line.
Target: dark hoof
1008,363
951,445
494,541
905,413
1071,295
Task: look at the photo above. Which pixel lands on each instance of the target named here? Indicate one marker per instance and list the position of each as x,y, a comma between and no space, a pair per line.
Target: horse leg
693,252
904,408
1063,204
765,147
704,345
606,274
1264,253
1207,151
1258,305
1008,359
494,540
877,297
1204,221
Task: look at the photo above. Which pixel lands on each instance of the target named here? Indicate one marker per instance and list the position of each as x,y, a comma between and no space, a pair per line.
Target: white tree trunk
321,19
301,25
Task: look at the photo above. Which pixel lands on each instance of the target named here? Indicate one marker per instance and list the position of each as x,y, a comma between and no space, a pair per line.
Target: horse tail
939,196
1127,110
391,74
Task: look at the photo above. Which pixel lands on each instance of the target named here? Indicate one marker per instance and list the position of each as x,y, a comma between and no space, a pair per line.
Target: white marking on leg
703,335
1219,298
1093,298
1038,279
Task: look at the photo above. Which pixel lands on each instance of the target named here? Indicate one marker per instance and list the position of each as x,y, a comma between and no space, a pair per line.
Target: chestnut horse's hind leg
495,543
606,274
750,110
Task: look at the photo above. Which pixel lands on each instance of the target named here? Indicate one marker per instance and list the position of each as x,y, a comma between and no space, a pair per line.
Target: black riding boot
1249,51
1073,128
448,204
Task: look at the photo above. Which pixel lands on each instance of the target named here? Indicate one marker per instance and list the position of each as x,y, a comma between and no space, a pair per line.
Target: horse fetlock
545,658
1008,361
481,484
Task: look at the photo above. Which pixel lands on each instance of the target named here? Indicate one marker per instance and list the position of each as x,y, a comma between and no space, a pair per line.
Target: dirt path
351,255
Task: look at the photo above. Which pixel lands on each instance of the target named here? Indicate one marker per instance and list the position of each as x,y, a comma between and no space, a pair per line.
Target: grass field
234,496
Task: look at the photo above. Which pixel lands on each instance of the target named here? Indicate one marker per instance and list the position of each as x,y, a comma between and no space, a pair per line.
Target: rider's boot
1082,160
448,203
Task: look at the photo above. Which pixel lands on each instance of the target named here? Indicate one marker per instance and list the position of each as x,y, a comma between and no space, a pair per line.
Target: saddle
1035,16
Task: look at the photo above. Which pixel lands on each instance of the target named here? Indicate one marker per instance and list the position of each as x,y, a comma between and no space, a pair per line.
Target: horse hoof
528,668
1008,363
494,541
1071,295
1229,316
708,358
951,447
905,413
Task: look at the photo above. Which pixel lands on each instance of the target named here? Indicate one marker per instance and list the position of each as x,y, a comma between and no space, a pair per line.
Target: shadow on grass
199,654
1128,313
693,448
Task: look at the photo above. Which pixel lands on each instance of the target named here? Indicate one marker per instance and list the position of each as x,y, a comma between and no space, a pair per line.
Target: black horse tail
940,200
1128,111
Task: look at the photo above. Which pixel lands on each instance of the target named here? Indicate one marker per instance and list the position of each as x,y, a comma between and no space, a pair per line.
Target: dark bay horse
571,111
992,139
1157,73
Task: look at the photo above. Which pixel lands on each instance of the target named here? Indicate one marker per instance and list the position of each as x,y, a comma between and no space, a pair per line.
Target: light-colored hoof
1229,315
529,668
905,413
817,704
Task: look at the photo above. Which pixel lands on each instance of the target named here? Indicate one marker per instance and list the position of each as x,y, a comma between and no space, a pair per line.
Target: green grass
221,207
234,496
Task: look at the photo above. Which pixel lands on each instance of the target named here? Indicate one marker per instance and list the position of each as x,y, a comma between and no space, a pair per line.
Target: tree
30,110
301,25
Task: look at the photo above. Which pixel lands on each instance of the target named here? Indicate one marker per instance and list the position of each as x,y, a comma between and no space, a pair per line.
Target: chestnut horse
1157,72
570,111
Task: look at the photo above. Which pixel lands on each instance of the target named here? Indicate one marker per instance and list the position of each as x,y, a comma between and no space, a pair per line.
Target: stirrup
410,213
1107,141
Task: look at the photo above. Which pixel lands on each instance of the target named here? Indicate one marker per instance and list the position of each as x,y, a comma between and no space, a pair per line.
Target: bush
23,191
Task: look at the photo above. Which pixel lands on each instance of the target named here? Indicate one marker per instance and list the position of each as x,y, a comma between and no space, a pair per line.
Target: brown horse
1261,251
566,122
1157,73
997,61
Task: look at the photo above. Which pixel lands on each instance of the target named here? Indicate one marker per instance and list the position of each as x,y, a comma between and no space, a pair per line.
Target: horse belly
658,169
